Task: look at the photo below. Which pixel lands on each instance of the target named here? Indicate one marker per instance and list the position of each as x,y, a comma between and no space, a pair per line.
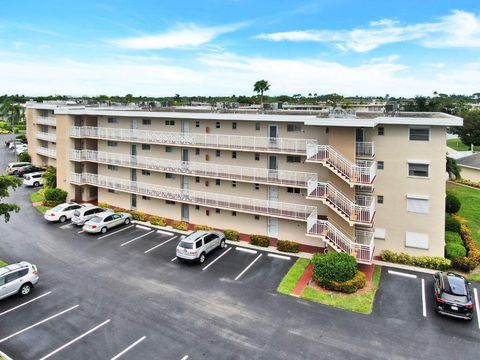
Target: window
146,147
294,159
294,127
146,121
380,233
217,182
146,198
234,184
217,125
23,272
381,131
170,122
12,276
419,133
112,167
169,176
169,202
198,244
234,125
197,207
112,120
217,211
416,240
197,123
417,204
234,213
257,126
168,149
112,143
146,172
420,170
234,154
111,191
292,190
197,151
2,280
257,157
257,217
217,153
380,165
257,186
197,179
379,199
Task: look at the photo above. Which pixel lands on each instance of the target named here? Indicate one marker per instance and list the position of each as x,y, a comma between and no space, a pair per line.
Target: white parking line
116,232
38,323
156,246
279,256
226,251
81,231
248,267
129,348
175,258
74,340
138,237
25,303
185,357
165,232
143,227
424,304
477,306
402,274
246,250
66,226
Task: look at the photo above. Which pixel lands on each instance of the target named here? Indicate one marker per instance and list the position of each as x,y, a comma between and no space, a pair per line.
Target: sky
221,47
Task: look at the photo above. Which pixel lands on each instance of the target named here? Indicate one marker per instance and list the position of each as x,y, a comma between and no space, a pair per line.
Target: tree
260,87
469,133
7,182
50,176
453,169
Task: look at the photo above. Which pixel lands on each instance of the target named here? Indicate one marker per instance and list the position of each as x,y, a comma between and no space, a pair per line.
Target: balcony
50,137
365,150
227,142
46,120
236,203
360,173
360,212
227,172
47,152
361,247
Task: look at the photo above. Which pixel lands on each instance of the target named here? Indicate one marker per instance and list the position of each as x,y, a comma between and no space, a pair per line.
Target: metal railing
215,200
361,172
361,210
47,152
365,149
46,120
240,173
361,247
51,137
217,141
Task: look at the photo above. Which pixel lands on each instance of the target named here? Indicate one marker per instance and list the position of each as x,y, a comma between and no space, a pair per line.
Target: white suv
62,212
198,244
13,166
34,179
17,279
82,215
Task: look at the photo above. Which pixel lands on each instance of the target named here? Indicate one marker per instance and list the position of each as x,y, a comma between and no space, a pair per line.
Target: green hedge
55,196
453,237
157,220
260,240
139,216
455,251
202,227
350,286
452,224
288,246
180,225
233,235
429,262
24,157
338,267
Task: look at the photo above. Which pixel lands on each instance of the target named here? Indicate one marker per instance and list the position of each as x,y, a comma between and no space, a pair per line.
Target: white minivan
17,279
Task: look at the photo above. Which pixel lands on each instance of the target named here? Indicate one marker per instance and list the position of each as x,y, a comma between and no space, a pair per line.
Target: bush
139,216
104,205
339,267
260,240
455,251
452,224
202,227
24,157
472,260
288,246
231,234
50,177
453,237
119,210
157,220
180,225
350,286
53,197
429,262
452,204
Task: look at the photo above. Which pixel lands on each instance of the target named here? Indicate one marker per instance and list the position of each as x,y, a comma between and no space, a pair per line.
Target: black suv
453,295
28,169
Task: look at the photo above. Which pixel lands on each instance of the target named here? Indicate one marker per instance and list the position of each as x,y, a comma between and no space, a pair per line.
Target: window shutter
416,240
416,205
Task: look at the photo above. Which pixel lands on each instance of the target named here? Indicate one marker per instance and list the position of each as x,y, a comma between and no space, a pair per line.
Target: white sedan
104,221
62,212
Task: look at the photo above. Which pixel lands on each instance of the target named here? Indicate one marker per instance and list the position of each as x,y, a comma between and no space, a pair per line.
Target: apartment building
358,184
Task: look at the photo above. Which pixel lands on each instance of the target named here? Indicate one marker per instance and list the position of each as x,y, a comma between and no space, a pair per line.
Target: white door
185,183
272,227
273,193
185,126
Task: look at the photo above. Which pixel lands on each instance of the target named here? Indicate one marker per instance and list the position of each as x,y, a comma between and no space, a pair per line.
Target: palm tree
260,87
453,169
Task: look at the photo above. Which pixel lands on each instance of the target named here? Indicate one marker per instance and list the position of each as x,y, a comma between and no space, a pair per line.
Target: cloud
183,36
460,29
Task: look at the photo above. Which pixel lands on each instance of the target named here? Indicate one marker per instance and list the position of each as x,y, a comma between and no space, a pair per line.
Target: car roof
88,207
37,173
19,163
12,267
67,204
454,284
105,214
195,236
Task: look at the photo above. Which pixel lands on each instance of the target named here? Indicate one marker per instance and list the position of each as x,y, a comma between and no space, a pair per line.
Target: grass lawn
3,263
35,197
42,208
470,210
457,144
361,302
294,274
474,277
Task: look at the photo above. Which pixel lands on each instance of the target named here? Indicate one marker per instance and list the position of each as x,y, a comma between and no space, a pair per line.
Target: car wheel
222,244
62,219
36,184
25,289
127,221
201,259
104,230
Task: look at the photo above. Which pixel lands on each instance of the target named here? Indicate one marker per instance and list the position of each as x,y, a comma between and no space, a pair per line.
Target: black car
28,169
453,295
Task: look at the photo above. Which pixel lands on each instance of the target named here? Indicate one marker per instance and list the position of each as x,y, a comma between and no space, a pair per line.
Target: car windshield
96,219
455,286
186,245
76,213
56,208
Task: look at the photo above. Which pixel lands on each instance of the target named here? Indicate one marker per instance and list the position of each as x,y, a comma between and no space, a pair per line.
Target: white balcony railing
360,173
46,120
229,172
47,152
360,211
215,200
361,247
229,142
50,137
365,149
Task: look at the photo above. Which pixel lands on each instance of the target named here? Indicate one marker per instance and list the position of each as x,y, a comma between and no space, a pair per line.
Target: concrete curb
5,356
404,267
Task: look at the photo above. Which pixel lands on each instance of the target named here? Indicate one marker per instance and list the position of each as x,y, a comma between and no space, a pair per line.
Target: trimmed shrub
455,251
452,204
103,205
350,286
233,235
24,157
53,197
180,225
157,220
288,246
429,262
453,237
260,240
139,216
202,227
119,209
472,260
339,267
452,223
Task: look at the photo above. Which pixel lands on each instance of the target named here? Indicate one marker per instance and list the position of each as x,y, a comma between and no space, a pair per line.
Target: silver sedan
105,221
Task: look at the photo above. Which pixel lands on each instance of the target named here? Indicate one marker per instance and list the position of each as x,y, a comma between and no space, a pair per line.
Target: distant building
470,167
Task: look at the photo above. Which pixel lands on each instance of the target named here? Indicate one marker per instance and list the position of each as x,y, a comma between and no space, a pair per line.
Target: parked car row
32,175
